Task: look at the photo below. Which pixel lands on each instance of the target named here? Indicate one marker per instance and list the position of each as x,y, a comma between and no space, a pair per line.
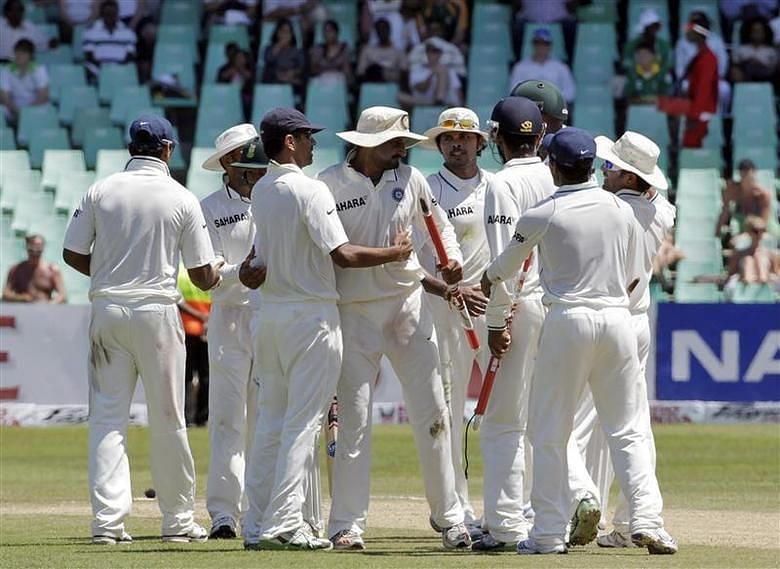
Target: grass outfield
714,478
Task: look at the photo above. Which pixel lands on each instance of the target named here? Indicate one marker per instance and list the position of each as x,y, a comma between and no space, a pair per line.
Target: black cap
283,120
151,130
518,115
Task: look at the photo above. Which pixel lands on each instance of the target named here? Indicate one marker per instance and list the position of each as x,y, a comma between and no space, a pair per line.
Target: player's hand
499,342
486,285
452,273
403,243
251,277
476,302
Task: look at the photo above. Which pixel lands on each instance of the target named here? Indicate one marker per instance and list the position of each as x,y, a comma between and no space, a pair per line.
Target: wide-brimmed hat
635,153
377,125
232,138
456,119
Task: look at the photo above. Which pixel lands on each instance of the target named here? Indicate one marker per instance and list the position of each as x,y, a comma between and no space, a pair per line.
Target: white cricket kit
586,237
463,201
134,224
297,343
521,184
656,218
382,313
232,393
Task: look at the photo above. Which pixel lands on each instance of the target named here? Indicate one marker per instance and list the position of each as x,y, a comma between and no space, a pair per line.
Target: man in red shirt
702,77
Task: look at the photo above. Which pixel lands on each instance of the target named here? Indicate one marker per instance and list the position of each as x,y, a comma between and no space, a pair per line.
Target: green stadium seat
52,228
227,34
488,55
487,85
635,8
85,119
173,52
326,105
110,162
598,119
51,138
596,41
179,34
558,47
487,12
378,95
754,99
268,96
754,129
753,293
7,138
602,12
496,34
60,164
16,184
33,119
425,117
183,12
707,158
177,160
65,76
593,71
14,160
490,161
112,77
12,248
215,58
101,138
762,156
126,102
199,181
651,122
220,108
78,42
59,55
697,293
30,207
76,97
70,190
426,161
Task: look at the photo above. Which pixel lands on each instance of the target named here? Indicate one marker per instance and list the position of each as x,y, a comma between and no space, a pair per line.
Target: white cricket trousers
298,361
400,328
503,428
457,359
127,341
232,408
593,442
581,346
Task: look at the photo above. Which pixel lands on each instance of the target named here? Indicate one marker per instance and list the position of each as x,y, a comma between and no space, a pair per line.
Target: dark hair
519,143
10,4
746,164
25,45
106,3
644,44
273,142
145,146
230,49
575,174
333,23
279,24
641,185
744,33
34,236
382,22
701,18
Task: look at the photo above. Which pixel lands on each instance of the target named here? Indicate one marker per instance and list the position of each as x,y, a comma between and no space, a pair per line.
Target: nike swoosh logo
583,152
331,211
204,226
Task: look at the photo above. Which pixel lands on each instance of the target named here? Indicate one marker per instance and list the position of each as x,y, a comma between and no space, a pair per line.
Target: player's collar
457,183
565,189
289,166
234,195
628,192
148,163
351,173
521,161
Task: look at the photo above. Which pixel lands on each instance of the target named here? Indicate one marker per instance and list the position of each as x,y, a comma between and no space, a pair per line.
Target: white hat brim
433,133
371,140
604,151
212,162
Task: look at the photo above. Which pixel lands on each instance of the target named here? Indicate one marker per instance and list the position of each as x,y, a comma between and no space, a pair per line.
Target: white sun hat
635,153
232,138
456,119
377,125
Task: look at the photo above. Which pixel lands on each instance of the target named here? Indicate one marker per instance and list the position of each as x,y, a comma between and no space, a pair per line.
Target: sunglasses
459,123
609,166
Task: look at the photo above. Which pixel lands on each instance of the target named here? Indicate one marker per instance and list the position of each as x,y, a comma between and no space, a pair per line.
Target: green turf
701,467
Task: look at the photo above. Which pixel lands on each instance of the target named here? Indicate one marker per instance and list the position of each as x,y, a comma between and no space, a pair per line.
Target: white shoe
111,539
456,537
614,539
530,547
585,522
347,539
657,541
300,539
196,533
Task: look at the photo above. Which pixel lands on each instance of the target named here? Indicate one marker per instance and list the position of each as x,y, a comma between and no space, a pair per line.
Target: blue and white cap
151,130
571,147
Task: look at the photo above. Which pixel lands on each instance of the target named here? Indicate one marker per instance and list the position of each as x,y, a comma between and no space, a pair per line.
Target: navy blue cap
542,34
571,147
285,120
518,115
151,130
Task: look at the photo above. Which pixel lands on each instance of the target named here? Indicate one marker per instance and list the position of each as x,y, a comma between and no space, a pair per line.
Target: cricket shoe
223,528
456,537
489,543
300,539
347,539
585,522
195,534
434,526
112,539
530,547
475,530
657,541
614,539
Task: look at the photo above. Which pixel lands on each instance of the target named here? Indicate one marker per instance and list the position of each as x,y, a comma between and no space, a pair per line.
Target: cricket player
382,314
586,238
517,129
297,343
232,393
550,100
126,235
459,189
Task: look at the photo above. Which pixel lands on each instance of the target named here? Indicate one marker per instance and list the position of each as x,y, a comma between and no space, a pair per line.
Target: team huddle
537,268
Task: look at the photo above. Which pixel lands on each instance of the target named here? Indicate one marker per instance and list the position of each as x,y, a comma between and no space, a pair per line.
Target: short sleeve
322,221
80,234
195,244
41,77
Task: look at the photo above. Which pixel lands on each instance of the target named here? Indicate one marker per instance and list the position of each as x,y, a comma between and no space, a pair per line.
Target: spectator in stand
14,26
546,12
434,80
24,82
756,58
74,13
382,62
645,81
131,12
195,306
647,32
743,199
305,12
283,59
732,10
451,15
685,51
240,71
702,80
332,58
108,40
540,65
667,257
754,263
401,16
34,280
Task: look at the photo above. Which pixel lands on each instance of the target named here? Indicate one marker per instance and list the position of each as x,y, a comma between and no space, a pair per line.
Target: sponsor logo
526,127
398,194
351,204
458,211
230,219
747,413
519,238
330,211
500,219
76,213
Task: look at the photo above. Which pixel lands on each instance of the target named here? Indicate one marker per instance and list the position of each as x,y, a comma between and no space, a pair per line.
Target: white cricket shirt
296,228
463,201
135,223
232,230
586,237
655,218
372,215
